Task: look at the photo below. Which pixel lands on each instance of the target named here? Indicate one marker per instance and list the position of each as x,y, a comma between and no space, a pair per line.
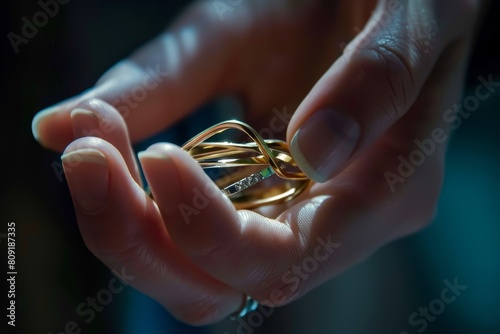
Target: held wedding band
243,166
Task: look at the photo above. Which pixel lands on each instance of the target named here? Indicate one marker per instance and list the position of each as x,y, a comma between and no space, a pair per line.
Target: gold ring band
246,165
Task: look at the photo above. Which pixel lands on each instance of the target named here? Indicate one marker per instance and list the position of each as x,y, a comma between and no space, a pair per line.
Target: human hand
359,116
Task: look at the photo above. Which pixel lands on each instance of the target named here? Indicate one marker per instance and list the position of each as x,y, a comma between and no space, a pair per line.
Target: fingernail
156,156
59,107
85,123
324,143
87,173
152,154
38,117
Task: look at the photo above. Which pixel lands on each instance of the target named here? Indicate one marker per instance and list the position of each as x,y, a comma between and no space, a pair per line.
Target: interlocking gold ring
247,168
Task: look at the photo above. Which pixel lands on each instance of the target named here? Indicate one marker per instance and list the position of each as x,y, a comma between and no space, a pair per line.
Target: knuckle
388,63
212,250
285,288
110,253
126,247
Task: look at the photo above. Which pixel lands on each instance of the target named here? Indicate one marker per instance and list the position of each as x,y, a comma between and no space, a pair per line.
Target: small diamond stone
248,181
238,186
257,177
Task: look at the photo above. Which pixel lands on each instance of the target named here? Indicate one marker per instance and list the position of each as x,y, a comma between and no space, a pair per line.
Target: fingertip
324,143
39,117
151,154
97,118
84,122
43,128
163,147
51,126
90,143
79,112
158,166
157,161
149,159
302,161
86,154
87,173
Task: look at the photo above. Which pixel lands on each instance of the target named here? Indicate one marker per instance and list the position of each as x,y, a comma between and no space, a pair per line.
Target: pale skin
404,65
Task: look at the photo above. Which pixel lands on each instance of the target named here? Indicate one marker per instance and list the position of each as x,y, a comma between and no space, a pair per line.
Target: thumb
367,89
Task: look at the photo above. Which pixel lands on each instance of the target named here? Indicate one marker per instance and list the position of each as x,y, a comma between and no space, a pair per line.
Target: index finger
158,84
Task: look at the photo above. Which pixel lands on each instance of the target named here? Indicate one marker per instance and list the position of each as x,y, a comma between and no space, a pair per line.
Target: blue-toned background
57,272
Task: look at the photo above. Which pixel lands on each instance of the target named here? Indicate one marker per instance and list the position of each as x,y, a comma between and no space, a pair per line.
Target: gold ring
252,174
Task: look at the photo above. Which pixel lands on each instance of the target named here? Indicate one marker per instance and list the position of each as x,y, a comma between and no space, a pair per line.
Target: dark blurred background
56,272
